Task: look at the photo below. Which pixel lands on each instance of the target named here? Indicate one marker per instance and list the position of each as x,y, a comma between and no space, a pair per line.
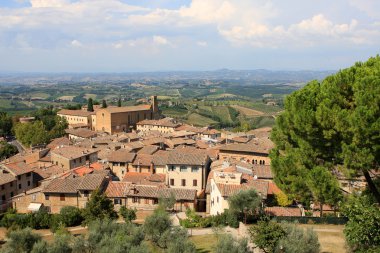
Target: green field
199,120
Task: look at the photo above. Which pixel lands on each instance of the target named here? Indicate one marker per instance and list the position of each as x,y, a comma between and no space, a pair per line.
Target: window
183,168
34,197
11,184
28,174
3,198
183,182
171,181
11,194
217,199
28,183
171,168
194,169
195,183
62,197
146,201
47,197
117,201
135,200
19,186
155,201
18,177
85,193
3,187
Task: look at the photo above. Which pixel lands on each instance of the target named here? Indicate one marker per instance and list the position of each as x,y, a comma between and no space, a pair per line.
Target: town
191,126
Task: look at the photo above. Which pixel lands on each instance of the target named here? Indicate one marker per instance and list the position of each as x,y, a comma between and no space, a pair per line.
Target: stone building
166,125
123,119
70,157
15,177
77,118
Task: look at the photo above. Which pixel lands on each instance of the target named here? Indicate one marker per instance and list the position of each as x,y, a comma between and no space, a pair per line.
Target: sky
164,35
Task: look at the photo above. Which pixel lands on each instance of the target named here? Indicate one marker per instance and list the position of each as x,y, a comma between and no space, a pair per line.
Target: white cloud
48,3
76,43
160,40
202,43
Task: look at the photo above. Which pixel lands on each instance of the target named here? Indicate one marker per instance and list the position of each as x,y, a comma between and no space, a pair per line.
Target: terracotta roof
148,150
156,192
251,147
145,178
240,139
81,132
127,136
228,190
262,171
211,131
59,142
121,155
116,189
201,144
166,122
46,172
126,109
80,113
18,168
154,141
6,178
190,128
263,132
134,145
273,188
72,152
73,184
187,158
143,160
283,211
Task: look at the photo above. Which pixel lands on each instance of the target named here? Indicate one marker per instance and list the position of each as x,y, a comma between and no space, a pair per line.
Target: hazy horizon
123,36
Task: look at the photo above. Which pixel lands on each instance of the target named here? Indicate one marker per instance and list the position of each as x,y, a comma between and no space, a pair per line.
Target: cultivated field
247,111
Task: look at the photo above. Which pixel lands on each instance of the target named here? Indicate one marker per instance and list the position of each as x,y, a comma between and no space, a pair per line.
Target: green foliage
70,216
266,234
324,187
108,236
21,241
167,202
128,214
31,134
335,122
226,243
119,102
7,150
99,207
104,103
90,105
196,221
156,224
362,230
282,199
176,241
5,124
46,127
298,241
38,220
73,107
245,203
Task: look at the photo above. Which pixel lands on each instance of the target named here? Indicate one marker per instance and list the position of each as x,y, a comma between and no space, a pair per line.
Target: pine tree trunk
371,185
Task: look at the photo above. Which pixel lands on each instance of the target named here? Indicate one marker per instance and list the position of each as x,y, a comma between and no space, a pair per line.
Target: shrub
71,216
128,214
